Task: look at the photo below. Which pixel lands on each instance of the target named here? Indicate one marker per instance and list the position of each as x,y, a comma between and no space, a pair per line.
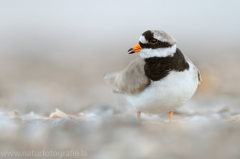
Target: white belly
168,94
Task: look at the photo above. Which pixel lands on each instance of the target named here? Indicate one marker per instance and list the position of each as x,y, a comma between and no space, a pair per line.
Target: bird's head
155,43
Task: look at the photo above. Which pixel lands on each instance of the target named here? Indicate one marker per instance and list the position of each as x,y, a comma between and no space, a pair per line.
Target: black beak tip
131,51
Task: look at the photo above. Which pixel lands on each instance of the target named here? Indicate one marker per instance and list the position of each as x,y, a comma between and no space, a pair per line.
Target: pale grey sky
84,26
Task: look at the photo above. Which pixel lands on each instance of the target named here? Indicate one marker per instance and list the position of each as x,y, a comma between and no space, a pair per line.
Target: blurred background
53,54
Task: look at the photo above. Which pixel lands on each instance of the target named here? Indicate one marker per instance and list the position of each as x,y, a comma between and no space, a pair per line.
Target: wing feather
199,74
131,80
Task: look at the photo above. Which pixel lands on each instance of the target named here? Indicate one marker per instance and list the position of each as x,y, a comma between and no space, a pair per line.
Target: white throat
160,52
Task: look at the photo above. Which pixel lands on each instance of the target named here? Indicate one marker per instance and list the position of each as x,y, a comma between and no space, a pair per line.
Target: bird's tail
110,78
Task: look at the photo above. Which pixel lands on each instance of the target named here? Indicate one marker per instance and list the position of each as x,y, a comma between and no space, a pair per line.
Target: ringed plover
161,80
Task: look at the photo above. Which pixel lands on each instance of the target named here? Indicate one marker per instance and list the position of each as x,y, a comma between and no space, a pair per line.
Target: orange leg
139,116
170,115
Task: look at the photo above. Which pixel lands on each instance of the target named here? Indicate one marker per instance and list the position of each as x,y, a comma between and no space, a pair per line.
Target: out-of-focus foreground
54,55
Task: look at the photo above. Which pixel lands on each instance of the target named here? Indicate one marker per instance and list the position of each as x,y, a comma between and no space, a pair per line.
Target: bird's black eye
153,41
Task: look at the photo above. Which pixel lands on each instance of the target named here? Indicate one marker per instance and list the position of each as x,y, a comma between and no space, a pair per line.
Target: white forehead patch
143,40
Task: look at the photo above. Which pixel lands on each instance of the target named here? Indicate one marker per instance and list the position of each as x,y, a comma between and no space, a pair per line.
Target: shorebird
161,80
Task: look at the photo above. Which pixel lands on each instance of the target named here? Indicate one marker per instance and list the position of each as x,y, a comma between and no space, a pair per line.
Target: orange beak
135,49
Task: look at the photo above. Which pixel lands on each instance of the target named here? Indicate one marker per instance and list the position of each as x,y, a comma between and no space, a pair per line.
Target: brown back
131,80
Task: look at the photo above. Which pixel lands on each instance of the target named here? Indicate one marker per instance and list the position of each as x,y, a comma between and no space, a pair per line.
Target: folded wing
199,74
131,80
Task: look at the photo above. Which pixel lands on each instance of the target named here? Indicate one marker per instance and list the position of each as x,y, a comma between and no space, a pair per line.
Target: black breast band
156,68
